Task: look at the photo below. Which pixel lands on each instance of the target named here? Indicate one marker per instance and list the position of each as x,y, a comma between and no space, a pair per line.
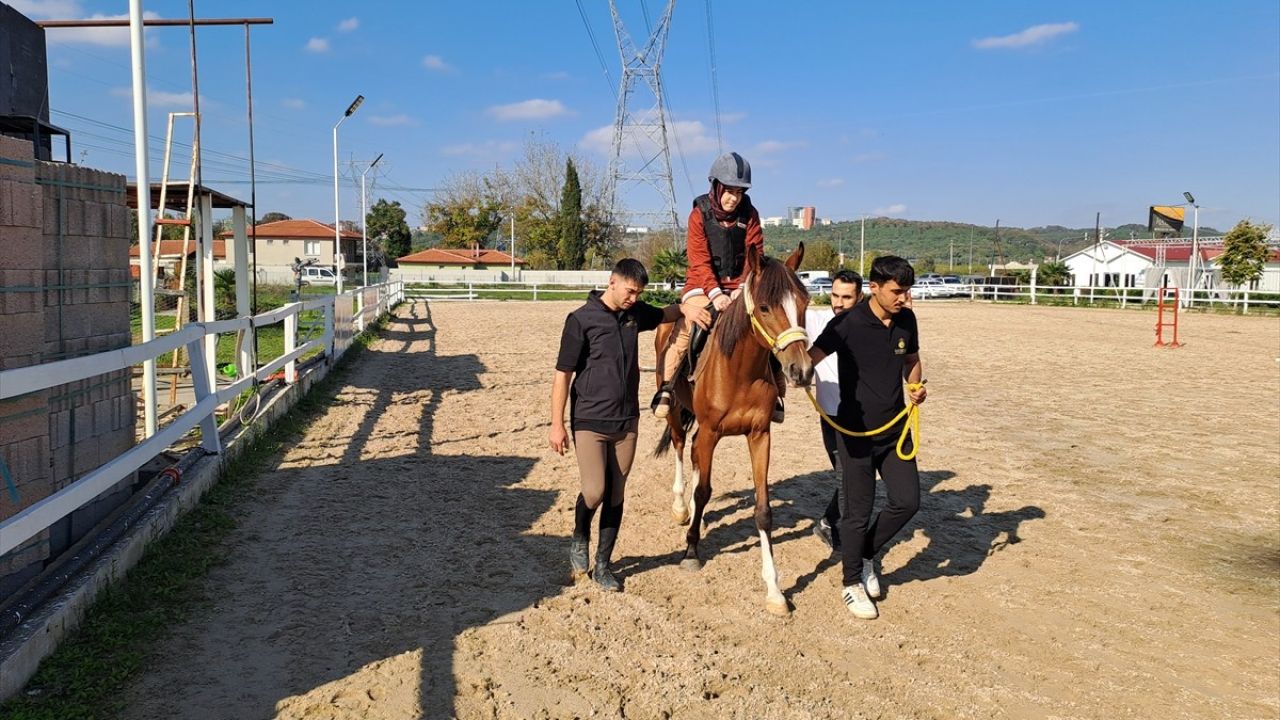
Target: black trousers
862,536
831,441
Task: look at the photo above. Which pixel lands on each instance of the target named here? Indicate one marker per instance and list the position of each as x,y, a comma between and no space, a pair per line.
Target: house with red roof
278,243
436,259
1148,264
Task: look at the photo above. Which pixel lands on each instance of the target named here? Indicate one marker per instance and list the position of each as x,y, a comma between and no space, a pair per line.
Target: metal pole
146,271
337,218
862,247
1195,253
364,219
513,247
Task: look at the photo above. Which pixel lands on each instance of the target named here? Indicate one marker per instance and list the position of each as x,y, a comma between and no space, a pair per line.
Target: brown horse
734,394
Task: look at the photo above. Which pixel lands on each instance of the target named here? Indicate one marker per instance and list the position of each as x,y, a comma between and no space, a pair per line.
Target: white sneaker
855,598
870,580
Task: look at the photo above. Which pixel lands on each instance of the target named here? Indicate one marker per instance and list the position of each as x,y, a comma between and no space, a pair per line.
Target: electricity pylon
642,127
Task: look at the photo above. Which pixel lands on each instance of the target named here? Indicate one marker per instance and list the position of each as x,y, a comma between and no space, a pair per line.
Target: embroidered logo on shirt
902,347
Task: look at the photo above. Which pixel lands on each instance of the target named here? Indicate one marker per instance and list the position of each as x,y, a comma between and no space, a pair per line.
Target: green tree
386,223
573,238
669,266
273,217
1053,273
820,256
926,264
1244,253
466,211
224,293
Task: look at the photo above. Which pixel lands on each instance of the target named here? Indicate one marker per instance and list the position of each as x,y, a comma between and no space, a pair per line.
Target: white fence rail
342,321
481,291
1212,298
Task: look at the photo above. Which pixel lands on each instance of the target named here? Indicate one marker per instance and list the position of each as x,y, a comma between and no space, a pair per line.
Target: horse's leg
758,445
679,505
704,446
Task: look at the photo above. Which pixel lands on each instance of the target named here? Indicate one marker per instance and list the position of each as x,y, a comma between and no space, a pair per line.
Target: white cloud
294,103
437,63
895,209
731,118
694,138
164,99
71,10
1034,35
831,182
392,120
536,109
349,24
318,45
487,150
768,147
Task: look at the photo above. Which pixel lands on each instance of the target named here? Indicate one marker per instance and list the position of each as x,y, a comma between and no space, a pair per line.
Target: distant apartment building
775,221
802,217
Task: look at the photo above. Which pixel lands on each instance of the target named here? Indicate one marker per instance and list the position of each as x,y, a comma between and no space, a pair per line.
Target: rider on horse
722,225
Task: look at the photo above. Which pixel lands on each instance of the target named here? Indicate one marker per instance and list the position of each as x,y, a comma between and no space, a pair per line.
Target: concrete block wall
64,293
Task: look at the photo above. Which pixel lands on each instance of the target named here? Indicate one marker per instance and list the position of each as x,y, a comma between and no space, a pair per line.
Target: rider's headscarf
718,212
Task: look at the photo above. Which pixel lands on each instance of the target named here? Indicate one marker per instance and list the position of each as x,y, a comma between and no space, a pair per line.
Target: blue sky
1033,113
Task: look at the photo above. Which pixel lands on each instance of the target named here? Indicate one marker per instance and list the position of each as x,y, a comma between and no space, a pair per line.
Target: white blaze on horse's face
801,371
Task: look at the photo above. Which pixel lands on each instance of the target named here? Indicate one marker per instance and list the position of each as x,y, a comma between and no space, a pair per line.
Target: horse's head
775,303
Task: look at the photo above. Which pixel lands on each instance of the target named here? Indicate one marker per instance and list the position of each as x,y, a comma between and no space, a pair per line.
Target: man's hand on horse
699,316
721,302
558,438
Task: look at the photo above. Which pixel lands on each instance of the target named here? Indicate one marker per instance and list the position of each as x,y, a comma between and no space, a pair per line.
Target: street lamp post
862,248
337,217
1195,246
364,221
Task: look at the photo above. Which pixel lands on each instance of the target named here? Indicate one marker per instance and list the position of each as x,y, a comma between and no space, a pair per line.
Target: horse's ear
753,259
797,255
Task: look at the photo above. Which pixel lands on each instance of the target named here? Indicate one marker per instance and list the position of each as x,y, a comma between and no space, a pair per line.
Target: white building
1146,264
775,221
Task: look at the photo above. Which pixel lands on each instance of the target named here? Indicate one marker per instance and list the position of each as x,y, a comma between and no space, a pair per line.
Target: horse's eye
764,308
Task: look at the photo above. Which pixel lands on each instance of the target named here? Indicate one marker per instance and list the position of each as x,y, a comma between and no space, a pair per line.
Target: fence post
1033,284
330,311
1246,302
200,362
290,344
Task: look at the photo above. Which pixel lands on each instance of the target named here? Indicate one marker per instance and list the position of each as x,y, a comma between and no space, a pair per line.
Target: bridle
792,334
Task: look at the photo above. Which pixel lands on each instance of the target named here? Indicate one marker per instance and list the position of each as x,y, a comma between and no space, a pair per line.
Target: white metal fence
1211,298
344,316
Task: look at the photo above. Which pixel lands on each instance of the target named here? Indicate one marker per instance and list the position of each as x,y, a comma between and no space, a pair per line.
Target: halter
785,338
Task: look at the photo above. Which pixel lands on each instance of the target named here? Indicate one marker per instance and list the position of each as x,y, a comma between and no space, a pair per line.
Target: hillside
918,239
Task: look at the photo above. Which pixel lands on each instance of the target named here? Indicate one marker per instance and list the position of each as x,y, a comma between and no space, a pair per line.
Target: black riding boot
610,521
582,516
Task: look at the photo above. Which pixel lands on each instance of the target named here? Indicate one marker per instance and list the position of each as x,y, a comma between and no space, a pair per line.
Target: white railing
372,302
1212,298
479,291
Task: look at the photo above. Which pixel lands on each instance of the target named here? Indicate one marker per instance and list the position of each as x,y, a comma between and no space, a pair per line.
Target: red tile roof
295,229
1181,252
446,256
173,249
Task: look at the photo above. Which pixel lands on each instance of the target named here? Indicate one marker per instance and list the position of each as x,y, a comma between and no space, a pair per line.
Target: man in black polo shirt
598,352
877,347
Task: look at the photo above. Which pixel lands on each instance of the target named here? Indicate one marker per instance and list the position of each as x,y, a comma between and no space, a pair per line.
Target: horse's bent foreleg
704,446
758,445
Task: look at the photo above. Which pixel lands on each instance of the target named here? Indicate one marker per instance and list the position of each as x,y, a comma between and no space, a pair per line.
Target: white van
807,276
312,275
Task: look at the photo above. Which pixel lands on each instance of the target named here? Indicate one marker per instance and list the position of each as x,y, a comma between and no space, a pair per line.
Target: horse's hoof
691,564
681,518
778,609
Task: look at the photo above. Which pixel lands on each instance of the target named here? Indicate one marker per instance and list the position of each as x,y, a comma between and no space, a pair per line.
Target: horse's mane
776,281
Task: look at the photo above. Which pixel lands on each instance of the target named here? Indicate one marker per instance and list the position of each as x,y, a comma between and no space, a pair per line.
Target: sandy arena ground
1098,539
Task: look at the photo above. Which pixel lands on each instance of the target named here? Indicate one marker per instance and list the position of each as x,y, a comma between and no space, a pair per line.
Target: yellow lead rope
911,427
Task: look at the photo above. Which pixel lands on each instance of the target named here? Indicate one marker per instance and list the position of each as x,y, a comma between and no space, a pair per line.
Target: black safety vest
728,245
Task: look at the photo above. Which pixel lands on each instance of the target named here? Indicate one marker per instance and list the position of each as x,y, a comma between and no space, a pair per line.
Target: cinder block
28,557
62,470
22,248
59,429
102,416
24,417
85,452
73,213
23,333
93,219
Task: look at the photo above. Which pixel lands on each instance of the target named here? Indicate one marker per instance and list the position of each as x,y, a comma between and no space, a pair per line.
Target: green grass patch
86,676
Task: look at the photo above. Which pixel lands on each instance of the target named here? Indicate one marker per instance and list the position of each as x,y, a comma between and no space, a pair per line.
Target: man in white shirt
846,291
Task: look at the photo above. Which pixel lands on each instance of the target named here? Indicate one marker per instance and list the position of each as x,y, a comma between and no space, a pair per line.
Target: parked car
928,288
312,275
818,285
954,286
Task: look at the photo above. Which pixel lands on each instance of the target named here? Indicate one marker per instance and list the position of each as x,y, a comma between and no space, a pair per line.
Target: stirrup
661,404
779,411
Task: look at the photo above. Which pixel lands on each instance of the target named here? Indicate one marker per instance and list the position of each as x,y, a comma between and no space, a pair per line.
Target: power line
599,55
715,86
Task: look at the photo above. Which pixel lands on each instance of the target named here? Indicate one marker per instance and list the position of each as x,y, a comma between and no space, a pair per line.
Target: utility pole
364,221
862,248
